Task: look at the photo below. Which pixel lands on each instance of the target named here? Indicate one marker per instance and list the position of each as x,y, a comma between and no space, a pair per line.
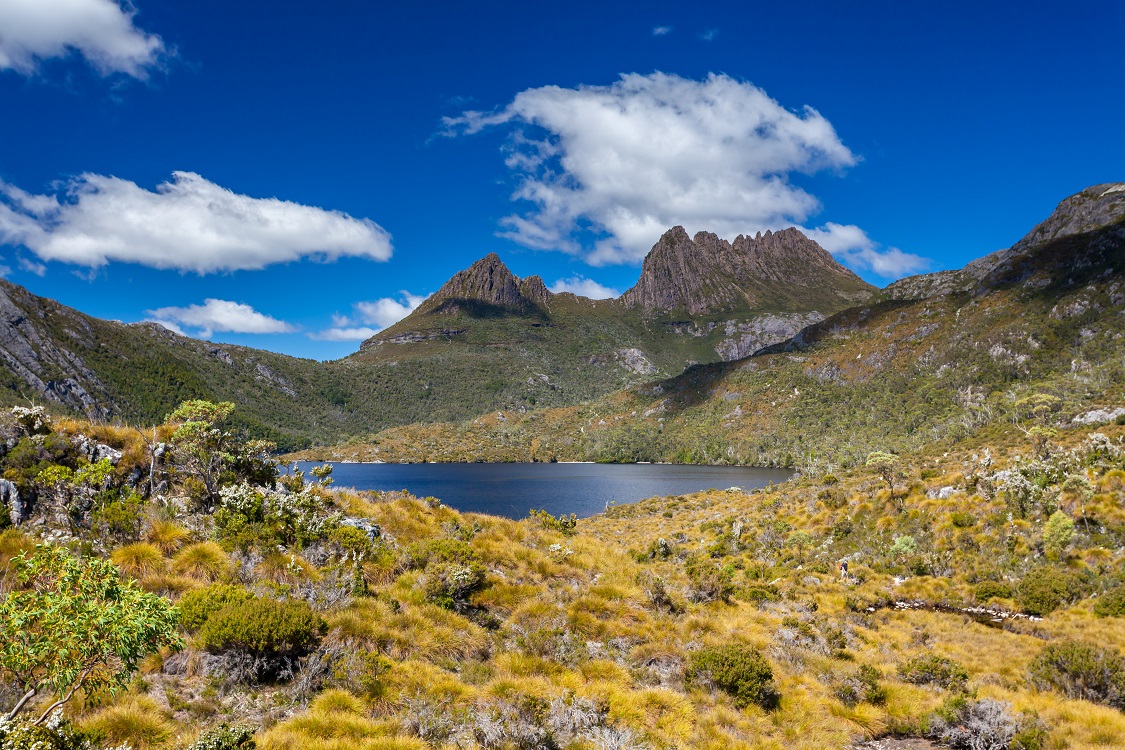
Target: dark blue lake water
513,490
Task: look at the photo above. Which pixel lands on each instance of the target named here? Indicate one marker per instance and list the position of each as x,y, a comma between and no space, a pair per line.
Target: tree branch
73,689
19,706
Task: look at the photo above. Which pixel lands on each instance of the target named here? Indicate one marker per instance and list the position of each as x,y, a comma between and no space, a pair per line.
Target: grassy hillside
982,582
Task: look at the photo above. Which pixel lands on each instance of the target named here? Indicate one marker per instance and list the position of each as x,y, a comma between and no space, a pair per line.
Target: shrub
861,687
1057,534
709,582
1082,671
1045,588
262,627
563,524
57,734
1111,603
225,737
962,520
117,515
986,590
198,605
984,725
738,670
929,669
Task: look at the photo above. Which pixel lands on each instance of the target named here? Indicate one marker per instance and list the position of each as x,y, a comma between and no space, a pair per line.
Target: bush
986,590
740,671
262,627
962,520
984,725
563,524
225,737
1045,589
54,735
934,670
1111,603
709,582
1082,671
197,605
452,570
861,687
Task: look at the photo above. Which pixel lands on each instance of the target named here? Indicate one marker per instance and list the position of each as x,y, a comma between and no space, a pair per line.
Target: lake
512,490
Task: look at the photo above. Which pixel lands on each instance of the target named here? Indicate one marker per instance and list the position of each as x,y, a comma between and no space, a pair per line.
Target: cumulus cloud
661,30
605,170
584,287
370,317
102,31
648,152
187,224
218,315
851,245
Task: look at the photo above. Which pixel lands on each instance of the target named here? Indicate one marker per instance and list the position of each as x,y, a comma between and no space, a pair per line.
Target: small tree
74,624
801,540
885,465
1057,533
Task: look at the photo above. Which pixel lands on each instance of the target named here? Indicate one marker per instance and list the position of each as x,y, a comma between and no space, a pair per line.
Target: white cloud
188,224
375,314
623,163
661,30
851,245
584,287
648,152
31,266
102,31
218,315
709,35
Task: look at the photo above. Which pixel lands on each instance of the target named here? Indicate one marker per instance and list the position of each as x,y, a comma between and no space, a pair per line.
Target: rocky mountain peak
773,270
490,282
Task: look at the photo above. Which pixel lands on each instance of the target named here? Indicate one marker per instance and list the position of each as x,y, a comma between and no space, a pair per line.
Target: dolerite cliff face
773,271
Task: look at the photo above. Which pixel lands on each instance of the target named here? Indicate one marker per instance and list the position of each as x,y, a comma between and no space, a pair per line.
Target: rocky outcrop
10,499
773,271
743,338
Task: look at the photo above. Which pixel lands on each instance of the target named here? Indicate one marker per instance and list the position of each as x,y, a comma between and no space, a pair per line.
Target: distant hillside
487,340
933,358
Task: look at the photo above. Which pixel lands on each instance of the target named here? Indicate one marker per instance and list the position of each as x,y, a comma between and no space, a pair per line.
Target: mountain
932,359
706,274
486,340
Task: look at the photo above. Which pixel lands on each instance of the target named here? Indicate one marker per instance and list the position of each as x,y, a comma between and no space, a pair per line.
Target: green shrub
861,687
263,627
563,524
225,737
962,520
740,671
452,570
1111,603
54,735
1045,588
709,582
199,604
1082,671
929,669
986,590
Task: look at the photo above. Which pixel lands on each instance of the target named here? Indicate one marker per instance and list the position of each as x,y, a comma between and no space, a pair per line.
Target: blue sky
293,176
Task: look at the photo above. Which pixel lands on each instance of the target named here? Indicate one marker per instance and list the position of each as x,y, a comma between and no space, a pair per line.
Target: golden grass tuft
203,561
139,560
168,536
137,719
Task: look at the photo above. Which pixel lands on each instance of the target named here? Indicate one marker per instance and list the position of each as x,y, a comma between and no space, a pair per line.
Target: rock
373,530
10,496
1099,416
